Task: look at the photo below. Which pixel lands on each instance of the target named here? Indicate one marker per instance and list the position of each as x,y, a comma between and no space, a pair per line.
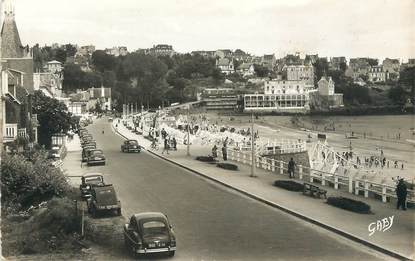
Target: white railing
9,132
282,147
22,133
353,184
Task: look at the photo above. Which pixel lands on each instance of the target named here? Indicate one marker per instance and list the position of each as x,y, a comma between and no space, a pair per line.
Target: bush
289,185
25,183
49,228
205,158
227,166
349,204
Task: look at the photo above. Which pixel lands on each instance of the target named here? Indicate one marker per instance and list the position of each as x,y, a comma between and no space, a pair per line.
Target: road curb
286,210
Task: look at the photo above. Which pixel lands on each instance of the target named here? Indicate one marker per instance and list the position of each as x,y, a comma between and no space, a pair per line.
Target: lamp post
188,130
252,146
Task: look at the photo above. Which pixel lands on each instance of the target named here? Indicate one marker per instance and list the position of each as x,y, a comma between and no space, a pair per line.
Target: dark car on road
89,181
130,146
95,156
150,232
103,199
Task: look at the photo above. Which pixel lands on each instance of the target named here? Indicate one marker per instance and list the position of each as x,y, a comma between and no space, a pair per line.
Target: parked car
90,144
95,156
130,146
82,132
89,181
150,232
85,153
86,137
103,199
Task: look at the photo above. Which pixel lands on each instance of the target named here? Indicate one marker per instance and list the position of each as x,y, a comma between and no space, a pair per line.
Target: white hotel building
280,96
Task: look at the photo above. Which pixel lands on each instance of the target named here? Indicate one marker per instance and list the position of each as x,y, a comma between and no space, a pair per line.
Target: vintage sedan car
83,143
95,156
103,199
150,232
89,144
85,139
89,181
85,153
130,146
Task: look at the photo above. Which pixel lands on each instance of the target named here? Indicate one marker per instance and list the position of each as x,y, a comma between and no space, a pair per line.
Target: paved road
211,222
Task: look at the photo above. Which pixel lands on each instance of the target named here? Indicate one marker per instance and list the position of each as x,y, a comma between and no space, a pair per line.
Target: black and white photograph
207,130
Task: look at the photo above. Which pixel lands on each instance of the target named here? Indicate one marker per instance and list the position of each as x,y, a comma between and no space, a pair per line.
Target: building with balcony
220,99
225,65
161,50
287,87
14,55
300,73
16,80
377,74
279,103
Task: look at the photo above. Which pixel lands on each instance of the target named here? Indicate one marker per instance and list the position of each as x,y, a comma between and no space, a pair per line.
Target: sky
351,28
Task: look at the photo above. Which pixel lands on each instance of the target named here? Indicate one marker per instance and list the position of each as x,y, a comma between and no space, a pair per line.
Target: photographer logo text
380,225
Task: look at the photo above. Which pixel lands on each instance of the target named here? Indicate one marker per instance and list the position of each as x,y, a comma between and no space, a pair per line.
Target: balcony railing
9,132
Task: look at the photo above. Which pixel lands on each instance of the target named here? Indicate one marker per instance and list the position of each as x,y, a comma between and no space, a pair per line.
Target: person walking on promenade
166,146
174,143
401,192
214,151
224,153
163,133
291,166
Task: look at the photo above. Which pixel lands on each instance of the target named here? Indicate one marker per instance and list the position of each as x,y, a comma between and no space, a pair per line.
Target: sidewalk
397,241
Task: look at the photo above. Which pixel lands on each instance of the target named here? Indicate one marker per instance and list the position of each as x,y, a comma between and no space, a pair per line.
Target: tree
73,77
321,68
103,61
261,71
372,61
70,50
407,81
61,55
146,74
52,116
398,95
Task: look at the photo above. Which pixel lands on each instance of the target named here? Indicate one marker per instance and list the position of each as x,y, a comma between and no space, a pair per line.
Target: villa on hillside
225,65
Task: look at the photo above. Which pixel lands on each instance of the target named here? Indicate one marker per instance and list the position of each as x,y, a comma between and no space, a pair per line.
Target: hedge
349,204
227,166
289,185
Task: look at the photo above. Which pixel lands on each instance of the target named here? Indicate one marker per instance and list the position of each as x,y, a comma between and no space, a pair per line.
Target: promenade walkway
399,239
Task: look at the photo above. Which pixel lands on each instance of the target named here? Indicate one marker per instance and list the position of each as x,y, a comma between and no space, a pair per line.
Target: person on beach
401,192
291,166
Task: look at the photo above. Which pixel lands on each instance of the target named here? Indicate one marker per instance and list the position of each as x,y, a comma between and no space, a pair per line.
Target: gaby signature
380,225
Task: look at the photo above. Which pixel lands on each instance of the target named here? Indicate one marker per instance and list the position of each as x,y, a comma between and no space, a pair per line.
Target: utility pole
188,130
252,146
